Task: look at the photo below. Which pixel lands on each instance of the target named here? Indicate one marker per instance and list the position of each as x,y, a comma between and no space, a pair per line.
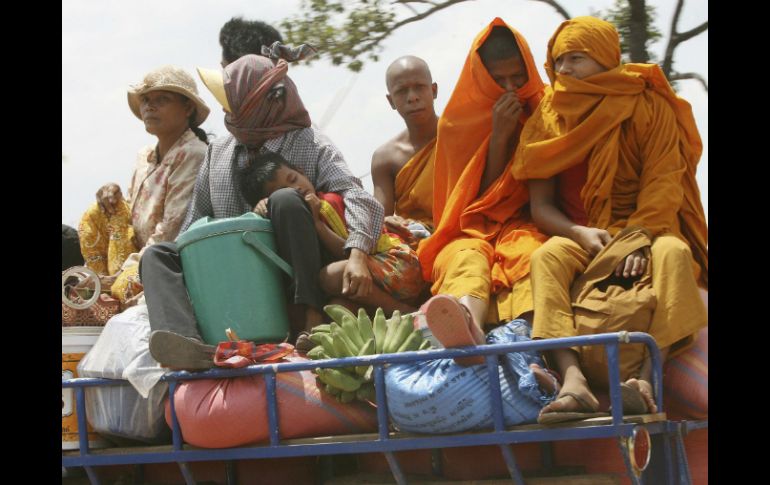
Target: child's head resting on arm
269,172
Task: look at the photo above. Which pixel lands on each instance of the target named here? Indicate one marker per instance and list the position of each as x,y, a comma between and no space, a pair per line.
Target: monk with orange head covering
612,148
483,238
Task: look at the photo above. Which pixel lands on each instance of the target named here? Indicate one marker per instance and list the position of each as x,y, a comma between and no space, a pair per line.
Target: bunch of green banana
350,336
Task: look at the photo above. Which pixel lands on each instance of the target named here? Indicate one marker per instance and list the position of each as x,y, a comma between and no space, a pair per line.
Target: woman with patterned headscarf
611,148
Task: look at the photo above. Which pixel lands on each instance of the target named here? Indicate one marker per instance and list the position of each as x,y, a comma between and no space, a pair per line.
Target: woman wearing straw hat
115,231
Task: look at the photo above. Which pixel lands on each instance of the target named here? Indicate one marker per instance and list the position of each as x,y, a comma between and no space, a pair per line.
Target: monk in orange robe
402,168
479,252
611,147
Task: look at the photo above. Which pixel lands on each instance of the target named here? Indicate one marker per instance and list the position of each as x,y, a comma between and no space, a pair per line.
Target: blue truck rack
668,462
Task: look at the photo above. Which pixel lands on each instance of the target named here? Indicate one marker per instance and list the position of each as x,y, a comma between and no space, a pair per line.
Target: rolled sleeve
364,215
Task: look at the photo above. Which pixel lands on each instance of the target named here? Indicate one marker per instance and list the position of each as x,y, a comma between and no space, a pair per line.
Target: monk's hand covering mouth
506,114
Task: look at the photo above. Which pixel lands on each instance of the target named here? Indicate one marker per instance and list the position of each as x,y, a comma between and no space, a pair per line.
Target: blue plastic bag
441,396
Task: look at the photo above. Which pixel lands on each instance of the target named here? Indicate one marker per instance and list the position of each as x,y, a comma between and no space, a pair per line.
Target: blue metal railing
383,441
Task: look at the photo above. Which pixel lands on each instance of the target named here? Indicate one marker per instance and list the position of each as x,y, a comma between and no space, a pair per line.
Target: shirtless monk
402,168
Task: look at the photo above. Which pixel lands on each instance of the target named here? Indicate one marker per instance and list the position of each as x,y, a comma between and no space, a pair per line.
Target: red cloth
244,353
569,184
336,201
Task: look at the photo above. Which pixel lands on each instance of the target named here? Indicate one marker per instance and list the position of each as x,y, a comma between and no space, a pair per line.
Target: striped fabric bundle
686,381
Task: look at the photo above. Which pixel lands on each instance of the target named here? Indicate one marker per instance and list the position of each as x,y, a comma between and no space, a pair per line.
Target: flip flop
179,352
304,344
633,400
450,321
564,416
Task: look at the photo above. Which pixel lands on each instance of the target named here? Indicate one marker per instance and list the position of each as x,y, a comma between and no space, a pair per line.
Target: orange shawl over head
461,151
581,120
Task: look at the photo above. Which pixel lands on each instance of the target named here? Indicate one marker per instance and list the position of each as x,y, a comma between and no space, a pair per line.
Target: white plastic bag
133,411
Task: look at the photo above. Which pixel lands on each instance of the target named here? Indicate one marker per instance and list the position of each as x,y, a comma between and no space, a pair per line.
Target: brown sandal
304,344
179,352
563,416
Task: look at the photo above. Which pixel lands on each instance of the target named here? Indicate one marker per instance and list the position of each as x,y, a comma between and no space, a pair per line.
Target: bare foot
645,389
547,382
586,402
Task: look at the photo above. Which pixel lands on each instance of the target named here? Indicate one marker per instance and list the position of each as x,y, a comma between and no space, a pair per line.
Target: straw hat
168,78
214,80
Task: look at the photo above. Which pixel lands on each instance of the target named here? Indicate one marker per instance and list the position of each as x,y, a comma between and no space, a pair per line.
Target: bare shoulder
394,153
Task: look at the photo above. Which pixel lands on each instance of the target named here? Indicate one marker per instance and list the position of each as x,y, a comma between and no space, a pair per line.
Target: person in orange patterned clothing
115,230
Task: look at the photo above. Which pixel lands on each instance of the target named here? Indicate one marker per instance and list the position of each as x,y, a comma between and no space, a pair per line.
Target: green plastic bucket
234,278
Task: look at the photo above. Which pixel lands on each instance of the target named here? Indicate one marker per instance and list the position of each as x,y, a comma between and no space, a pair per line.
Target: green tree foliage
343,31
635,22
348,32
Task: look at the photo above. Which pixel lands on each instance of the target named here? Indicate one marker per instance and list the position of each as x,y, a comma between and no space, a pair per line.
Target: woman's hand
133,300
106,281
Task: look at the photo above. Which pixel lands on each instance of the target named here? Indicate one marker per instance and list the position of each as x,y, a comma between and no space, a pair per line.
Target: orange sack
222,413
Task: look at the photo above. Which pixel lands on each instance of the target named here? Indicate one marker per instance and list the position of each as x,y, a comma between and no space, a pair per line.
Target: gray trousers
162,275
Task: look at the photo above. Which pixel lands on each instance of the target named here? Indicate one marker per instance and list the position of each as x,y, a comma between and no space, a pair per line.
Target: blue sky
107,45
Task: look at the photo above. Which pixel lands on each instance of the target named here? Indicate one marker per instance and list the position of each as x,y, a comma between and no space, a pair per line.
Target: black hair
191,121
260,170
499,45
70,248
239,37
202,136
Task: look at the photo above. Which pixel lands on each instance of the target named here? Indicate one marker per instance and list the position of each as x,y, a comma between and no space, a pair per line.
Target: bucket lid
209,226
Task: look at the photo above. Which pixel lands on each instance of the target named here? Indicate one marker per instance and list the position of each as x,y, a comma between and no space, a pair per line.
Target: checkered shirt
216,191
